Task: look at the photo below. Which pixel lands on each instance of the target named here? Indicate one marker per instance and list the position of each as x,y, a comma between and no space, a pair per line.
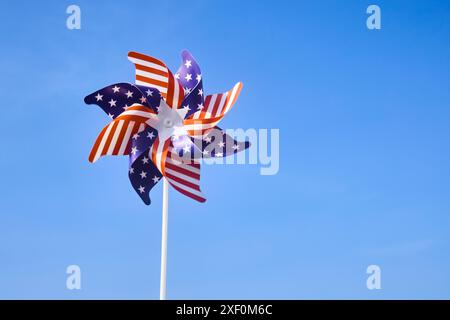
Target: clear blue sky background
364,119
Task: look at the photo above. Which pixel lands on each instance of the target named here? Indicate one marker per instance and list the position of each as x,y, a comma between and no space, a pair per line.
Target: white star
188,63
187,91
221,144
187,149
177,75
134,150
145,160
135,136
125,107
116,89
236,147
143,174
149,92
131,170
186,107
141,189
99,96
143,99
219,154
110,115
200,92
198,77
208,139
155,179
200,106
129,94
205,152
112,103
188,77
150,135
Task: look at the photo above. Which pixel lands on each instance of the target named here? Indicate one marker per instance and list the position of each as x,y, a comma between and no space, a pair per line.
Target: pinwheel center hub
168,123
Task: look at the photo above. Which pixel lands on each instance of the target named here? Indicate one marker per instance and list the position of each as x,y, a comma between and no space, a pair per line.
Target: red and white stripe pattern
214,109
217,105
183,175
154,73
115,138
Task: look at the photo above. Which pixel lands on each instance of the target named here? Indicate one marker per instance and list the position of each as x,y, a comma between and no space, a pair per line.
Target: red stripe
145,58
182,171
151,70
190,195
152,81
96,144
170,92
207,102
120,138
184,182
133,131
176,157
110,136
216,104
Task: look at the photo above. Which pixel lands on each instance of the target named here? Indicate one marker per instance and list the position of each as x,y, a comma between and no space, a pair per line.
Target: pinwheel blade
153,73
116,98
115,138
142,172
190,77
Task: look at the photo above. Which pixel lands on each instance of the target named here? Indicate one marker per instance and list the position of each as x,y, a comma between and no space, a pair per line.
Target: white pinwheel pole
165,211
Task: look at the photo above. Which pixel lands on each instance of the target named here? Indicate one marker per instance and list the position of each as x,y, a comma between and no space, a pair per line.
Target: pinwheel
166,126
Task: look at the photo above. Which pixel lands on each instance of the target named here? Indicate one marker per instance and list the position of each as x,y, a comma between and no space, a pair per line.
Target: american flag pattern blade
115,138
142,172
115,99
217,143
214,109
183,175
153,73
190,77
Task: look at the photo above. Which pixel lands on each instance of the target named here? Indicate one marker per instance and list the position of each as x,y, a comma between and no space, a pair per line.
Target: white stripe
152,75
183,176
199,127
221,103
148,64
183,165
211,105
138,113
126,138
196,114
102,143
176,91
114,139
159,152
233,93
186,188
141,127
151,85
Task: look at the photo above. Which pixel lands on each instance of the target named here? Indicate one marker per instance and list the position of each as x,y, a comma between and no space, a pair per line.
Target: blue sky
364,160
